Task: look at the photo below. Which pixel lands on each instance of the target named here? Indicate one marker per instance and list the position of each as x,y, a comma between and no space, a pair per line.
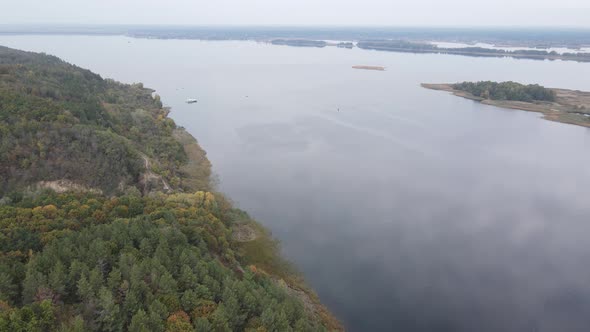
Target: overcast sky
302,12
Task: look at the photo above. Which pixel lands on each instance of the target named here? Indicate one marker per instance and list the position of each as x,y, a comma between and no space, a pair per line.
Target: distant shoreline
391,39
537,37
570,106
425,48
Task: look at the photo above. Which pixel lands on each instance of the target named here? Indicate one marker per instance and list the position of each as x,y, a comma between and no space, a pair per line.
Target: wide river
406,209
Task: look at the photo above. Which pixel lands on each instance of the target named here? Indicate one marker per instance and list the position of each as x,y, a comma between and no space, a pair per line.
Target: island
560,105
423,47
299,42
109,220
413,46
369,67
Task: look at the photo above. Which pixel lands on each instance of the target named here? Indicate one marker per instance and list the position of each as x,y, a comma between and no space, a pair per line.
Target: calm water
408,209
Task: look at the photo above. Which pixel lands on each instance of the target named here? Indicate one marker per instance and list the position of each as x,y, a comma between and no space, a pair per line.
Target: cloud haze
302,12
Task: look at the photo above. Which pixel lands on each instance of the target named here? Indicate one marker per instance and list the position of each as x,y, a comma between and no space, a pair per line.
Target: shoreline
570,107
260,251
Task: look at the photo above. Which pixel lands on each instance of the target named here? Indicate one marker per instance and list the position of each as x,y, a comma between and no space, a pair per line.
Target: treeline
58,121
507,91
79,262
299,42
396,45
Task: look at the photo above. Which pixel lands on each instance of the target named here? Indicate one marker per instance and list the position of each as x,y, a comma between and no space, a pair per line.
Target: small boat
191,101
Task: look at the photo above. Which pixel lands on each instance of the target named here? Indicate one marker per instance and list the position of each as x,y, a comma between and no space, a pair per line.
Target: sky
572,13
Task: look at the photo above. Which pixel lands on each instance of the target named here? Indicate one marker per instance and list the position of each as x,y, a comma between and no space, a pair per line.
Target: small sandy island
570,106
369,67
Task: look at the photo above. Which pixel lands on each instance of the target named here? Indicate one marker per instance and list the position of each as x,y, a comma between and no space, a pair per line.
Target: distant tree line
299,42
419,47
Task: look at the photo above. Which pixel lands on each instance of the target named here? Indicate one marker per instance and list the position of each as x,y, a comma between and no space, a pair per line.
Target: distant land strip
403,46
369,67
415,47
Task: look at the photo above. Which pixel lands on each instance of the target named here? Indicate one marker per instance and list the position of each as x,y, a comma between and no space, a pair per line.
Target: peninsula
560,105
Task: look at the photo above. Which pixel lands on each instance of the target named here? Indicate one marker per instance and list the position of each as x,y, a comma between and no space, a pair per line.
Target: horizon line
346,26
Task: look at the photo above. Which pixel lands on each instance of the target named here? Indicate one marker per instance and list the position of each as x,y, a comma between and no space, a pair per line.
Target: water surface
406,209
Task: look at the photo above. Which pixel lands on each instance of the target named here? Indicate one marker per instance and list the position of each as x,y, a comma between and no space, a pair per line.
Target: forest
114,251
507,91
57,121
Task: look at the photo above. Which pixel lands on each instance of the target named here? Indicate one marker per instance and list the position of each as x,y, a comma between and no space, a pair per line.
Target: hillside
108,221
62,123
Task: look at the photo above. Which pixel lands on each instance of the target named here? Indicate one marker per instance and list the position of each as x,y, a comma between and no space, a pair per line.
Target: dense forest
507,91
61,122
108,221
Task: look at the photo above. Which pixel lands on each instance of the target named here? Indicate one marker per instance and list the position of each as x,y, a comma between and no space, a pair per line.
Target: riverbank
570,106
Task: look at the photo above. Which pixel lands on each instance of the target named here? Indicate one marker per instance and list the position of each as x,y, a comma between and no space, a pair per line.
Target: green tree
34,280
57,279
75,325
219,320
189,300
140,322
107,314
46,316
8,289
202,325
85,291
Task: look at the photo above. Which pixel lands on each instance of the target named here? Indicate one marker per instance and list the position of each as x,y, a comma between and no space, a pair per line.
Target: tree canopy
159,263
507,91
57,121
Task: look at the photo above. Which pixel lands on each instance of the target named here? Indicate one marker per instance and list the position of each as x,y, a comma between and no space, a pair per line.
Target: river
406,209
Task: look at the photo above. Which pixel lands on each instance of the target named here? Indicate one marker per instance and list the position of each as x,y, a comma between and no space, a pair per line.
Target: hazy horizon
294,26
374,13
